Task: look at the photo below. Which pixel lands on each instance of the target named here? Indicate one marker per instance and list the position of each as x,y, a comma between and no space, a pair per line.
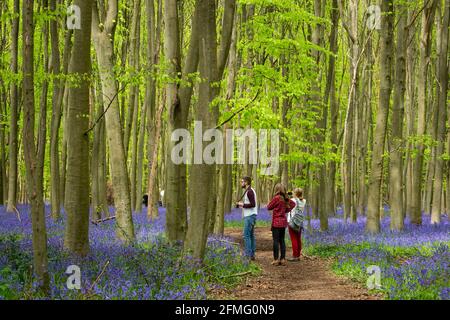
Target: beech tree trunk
397,144
14,115
103,36
77,177
386,63
425,48
442,88
34,181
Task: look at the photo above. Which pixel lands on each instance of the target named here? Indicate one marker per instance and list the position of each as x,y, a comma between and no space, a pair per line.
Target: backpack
296,221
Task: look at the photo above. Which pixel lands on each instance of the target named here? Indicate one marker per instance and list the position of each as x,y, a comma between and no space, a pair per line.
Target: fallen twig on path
236,274
226,241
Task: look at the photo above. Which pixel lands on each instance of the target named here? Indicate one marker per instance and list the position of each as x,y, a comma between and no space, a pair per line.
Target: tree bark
386,62
442,88
201,174
176,220
330,98
14,116
425,48
77,177
103,36
33,181
397,144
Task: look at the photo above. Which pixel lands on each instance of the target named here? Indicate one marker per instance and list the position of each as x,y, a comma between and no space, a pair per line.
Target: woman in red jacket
280,205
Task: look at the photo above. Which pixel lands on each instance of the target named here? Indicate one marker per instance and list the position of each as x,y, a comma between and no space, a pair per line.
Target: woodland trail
309,279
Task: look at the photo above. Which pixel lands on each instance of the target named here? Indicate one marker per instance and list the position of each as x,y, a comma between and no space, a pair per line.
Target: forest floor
309,279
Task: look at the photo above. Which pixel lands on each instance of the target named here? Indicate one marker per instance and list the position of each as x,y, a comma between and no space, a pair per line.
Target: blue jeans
249,235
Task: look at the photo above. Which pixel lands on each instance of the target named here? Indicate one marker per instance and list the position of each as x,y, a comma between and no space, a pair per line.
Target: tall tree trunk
386,62
153,49
224,181
425,48
77,178
152,175
14,116
347,150
134,100
442,88
410,111
57,99
397,144
34,184
202,173
212,65
175,173
103,35
330,98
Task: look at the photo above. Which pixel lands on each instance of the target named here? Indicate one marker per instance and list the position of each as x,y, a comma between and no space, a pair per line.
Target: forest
127,126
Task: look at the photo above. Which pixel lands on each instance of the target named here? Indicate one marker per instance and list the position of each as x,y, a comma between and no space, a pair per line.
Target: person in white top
249,213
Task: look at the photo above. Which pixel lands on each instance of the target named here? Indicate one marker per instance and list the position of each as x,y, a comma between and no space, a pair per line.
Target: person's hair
298,192
280,190
247,179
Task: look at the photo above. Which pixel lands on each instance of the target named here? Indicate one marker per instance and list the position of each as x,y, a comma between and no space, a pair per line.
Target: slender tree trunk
34,184
425,48
410,112
152,176
103,35
14,116
330,98
175,173
134,100
224,181
347,150
58,90
153,48
386,62
62,182
397,144
442,88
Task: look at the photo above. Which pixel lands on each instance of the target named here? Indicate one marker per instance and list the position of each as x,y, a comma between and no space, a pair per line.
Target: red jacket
280,208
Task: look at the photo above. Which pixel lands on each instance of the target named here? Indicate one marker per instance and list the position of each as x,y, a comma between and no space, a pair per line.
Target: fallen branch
226,241
18,214
98,278
236,274
96,222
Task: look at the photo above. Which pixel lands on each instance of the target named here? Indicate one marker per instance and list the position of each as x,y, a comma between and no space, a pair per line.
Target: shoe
253,258
275,262
282,262
293,259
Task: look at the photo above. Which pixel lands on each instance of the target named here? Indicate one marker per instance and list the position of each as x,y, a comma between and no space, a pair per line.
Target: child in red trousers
296,236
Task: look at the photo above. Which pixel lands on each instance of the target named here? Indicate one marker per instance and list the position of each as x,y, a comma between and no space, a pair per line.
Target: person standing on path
280,205
296,235
249,213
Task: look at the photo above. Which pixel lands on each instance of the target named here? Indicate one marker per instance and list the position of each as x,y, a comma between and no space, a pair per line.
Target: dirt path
308,279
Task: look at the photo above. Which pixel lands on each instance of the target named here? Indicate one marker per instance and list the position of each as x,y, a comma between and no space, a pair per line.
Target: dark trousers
278,243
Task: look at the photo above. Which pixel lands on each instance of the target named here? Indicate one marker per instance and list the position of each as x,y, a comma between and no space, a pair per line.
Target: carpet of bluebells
149,269
414,263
